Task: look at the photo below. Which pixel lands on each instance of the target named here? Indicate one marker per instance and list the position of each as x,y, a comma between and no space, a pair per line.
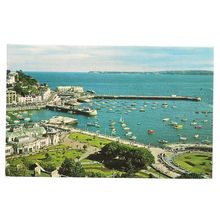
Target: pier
172,97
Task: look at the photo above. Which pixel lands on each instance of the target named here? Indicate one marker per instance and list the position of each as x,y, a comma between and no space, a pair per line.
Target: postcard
109,111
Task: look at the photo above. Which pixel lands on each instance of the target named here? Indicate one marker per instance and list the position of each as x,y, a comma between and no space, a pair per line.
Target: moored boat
164,105
166,119
151,131
206,141
133,137
86,111
193,123
196,136
183,138
198,127
184,119
162,141
178,126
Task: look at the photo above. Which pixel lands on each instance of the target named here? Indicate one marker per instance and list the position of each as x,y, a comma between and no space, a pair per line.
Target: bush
190,176
28,163
94,174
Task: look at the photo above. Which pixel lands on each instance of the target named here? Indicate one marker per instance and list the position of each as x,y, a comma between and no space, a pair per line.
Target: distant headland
180,72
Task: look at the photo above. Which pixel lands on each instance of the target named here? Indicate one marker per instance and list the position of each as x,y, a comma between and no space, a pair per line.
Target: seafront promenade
164,166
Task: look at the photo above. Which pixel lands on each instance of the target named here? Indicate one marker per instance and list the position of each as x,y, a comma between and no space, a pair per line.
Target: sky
107,58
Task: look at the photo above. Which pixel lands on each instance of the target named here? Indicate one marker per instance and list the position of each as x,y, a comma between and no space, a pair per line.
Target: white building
11,77
31,139
9,150
29,99
45,94
11,97
77,89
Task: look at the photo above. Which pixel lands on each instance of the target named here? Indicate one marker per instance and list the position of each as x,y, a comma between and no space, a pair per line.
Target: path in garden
78,145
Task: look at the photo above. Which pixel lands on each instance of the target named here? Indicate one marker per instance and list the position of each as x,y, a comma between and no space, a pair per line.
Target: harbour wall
187,98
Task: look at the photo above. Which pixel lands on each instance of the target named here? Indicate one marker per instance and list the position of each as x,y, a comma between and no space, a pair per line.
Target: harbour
189,115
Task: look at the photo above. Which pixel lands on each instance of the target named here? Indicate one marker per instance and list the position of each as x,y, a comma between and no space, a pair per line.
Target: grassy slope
56,156
93,141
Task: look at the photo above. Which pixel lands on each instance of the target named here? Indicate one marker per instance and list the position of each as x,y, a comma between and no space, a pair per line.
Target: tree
71,168
48,166
134,158
85,147
16,170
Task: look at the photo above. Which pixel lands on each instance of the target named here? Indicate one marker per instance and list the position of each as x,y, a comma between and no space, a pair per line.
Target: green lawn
55,157
88,139
97,167
141,174
195,162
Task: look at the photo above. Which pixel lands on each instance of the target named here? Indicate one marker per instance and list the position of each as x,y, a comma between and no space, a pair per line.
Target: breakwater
172,97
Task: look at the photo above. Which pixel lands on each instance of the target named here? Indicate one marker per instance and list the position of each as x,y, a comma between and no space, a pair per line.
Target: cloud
86,58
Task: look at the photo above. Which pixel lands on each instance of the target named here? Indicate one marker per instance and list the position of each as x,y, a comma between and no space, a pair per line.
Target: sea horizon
115,71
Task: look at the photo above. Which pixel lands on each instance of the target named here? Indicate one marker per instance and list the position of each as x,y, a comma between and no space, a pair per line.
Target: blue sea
182,112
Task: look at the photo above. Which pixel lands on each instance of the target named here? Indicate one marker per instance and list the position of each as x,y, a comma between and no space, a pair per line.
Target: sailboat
121,120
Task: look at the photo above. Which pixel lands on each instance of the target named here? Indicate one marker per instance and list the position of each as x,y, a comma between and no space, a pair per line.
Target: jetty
172,97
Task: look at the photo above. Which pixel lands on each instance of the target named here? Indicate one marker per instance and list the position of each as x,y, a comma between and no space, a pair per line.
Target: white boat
121,120
166,119
133,137
206,141
193,123
196,136
123,125
172,123
126,128
162,141
205,121
129,133
113,133
182,138
86,111
184,119
164,105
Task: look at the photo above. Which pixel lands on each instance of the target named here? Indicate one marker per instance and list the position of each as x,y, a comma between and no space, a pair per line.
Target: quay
59,108
172,97
25,108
